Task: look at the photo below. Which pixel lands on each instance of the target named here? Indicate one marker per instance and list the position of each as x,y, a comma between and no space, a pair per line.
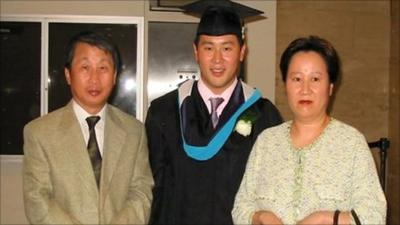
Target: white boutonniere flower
245,123
243,127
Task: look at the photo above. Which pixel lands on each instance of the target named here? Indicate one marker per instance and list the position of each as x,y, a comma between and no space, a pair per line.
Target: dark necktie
93,148
215,102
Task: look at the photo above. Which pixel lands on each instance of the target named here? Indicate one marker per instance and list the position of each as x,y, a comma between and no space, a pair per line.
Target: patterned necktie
93,148
215,102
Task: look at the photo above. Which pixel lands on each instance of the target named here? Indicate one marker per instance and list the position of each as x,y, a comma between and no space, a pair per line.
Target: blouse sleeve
245,200
368,199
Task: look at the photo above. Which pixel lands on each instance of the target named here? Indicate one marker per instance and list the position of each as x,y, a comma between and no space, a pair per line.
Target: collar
81,114
185,89
206,94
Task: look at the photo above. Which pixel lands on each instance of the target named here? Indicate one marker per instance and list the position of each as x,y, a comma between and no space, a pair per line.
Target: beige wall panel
261,40
110,8
11,202
362,100
372,36
337,5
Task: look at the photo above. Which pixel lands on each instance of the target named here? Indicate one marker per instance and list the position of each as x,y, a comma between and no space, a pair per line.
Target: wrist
253,217
259,217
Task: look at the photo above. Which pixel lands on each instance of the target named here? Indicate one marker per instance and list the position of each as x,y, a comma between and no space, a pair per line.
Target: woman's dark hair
94,39
315,44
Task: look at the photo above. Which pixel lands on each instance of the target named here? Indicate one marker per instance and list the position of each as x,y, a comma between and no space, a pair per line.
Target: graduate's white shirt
206,94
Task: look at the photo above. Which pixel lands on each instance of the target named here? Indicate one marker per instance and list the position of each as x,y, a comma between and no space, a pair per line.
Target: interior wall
261,43
360,32
394,116
11,202
260,63
79,7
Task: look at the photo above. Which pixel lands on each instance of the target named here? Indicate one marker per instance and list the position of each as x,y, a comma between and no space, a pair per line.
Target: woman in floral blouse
314,169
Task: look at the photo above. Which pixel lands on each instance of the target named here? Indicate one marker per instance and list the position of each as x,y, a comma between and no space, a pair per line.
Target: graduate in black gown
198,156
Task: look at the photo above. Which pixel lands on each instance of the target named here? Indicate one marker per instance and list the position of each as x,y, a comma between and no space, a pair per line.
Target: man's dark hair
314,44
94,39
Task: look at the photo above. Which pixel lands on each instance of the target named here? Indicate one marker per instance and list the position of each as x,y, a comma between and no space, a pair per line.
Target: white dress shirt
81,115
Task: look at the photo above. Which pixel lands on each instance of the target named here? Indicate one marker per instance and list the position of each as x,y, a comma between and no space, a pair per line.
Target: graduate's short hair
314,44
94,39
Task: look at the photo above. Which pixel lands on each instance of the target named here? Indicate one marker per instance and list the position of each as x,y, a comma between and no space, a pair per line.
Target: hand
320,217
325,217
266,218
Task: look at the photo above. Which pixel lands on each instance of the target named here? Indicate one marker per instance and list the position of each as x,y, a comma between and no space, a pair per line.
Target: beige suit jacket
58,180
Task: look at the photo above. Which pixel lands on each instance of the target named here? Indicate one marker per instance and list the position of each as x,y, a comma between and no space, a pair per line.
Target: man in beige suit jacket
58,178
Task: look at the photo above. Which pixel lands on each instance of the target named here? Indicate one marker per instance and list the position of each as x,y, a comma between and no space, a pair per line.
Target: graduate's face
219,58
91,77
307,86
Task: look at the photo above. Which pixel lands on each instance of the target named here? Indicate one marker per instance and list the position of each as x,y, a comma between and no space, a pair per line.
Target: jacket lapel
114,139
72,139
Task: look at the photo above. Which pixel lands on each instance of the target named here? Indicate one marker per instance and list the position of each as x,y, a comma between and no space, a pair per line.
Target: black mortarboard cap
220,17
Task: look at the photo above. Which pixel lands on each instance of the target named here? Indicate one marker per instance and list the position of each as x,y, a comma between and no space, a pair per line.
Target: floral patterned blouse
336,171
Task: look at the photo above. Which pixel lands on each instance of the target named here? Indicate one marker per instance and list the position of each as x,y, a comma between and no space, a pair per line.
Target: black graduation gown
188,191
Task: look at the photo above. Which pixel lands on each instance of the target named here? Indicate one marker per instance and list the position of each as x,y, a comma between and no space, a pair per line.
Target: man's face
219,58
91,77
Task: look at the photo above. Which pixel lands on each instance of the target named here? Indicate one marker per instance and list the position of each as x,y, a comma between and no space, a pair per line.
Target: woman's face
307,86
